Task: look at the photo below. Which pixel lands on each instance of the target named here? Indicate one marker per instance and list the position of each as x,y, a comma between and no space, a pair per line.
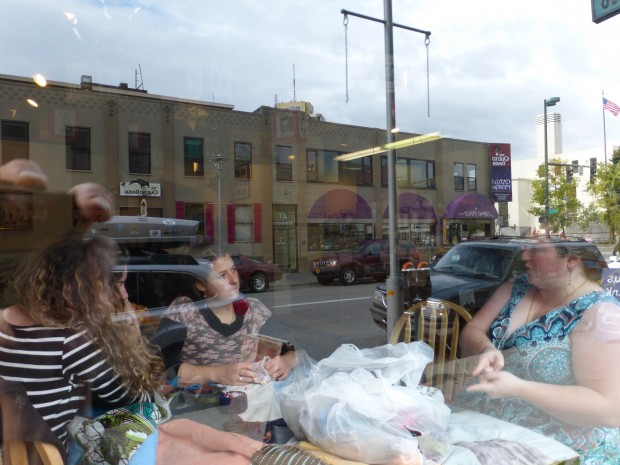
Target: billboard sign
501,173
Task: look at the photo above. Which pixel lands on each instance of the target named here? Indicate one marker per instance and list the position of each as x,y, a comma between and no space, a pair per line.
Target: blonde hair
69,283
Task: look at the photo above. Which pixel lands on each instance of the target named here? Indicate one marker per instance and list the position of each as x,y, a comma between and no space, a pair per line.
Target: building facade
265,183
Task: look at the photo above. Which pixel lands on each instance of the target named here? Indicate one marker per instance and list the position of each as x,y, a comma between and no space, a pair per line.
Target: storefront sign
501,173
139,188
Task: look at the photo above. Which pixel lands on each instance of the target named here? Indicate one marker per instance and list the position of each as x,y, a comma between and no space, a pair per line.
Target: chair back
26,438
438,324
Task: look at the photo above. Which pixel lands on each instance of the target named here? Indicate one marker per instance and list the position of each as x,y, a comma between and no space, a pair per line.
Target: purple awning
340,204
471,207
412,206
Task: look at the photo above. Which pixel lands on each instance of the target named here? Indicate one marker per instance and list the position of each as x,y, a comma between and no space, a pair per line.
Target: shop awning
340,204
412,206
471,207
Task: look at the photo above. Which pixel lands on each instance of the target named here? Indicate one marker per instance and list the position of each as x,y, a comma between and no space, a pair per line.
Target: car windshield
483,262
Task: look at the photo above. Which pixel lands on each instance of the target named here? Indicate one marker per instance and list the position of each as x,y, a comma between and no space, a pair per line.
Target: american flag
611,106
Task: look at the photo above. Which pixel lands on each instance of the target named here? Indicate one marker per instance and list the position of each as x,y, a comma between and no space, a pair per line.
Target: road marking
321,302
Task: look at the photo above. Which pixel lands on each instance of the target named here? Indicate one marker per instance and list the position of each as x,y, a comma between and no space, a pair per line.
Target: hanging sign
604,9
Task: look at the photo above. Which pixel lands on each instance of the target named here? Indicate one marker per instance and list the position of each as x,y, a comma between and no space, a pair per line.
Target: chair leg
49,453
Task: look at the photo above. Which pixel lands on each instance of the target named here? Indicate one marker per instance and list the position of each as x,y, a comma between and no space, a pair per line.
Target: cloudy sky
492,62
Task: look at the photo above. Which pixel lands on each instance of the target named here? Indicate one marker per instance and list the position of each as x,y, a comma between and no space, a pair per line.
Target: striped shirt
60,369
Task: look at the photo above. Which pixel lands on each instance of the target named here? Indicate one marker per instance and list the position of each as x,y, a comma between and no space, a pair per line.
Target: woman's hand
94,202
488,361
279,367
498,384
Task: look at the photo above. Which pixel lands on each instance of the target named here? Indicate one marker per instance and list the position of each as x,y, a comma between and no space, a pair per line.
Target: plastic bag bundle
352,404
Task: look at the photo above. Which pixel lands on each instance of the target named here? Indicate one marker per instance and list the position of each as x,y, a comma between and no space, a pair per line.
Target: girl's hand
279,367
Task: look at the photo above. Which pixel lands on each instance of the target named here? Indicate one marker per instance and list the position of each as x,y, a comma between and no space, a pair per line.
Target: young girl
221,334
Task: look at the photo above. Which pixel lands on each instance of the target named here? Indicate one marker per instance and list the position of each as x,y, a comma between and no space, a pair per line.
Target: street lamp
548,103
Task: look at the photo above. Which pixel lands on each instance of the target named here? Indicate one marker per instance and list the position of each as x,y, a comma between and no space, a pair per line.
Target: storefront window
327,237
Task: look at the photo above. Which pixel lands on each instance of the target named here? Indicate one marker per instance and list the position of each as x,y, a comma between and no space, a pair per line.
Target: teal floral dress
541,351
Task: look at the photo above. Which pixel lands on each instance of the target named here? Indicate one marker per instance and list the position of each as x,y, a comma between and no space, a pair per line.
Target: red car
254,274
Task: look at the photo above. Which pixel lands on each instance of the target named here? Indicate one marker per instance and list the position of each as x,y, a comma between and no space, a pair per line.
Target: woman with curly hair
62,339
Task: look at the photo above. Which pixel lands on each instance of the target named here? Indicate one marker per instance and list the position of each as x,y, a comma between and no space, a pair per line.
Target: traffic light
592,169
569,174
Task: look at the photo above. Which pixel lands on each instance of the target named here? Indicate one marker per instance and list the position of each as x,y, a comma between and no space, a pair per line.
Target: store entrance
285,251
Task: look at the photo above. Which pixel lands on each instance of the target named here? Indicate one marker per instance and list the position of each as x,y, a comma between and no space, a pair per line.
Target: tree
606,190
562,196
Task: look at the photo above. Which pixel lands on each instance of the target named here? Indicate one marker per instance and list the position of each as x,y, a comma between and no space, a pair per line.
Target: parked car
254,274
472,270
370,259
155,280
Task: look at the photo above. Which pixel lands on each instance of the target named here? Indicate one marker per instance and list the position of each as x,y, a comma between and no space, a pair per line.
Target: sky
491,63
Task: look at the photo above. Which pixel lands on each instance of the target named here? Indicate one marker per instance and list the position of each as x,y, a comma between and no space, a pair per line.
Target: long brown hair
69,283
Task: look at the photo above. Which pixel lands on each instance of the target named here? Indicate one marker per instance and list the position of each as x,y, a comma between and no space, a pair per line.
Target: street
319,319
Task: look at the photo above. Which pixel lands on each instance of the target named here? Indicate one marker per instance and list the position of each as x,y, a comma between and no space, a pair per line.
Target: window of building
243,160
410,173
459,177
193,156
471,177
330,236
15,140
284,163
139,153
322,166
244,223
78,148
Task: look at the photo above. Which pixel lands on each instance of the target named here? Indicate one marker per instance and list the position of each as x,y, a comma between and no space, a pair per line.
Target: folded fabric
327,457
190,443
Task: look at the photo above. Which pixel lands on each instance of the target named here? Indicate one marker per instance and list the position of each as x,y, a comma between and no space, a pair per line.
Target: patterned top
205,345
541,351
58,367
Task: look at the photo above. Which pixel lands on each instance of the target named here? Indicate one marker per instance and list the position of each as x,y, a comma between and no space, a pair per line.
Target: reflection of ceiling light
385,147
39,80
71,17
394,130
32,103
291,157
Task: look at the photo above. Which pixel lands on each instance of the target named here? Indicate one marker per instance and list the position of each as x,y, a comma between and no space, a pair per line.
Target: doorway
285,251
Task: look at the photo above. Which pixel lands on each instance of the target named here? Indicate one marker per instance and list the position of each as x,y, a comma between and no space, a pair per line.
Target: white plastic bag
358,413
393,362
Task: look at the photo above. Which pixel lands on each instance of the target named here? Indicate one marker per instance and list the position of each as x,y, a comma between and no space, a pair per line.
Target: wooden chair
438,324
26,438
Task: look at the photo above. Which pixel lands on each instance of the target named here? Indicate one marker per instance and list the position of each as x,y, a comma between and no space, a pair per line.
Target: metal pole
547,219
218,160
394,280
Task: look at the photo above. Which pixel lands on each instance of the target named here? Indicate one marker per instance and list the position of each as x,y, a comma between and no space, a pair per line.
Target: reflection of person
217,336
60,339
545,362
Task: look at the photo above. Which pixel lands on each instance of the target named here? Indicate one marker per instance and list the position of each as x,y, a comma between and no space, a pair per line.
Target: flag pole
604,130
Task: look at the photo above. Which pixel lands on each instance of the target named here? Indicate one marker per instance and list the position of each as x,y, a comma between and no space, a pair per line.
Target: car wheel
324,281
258,282
348,276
